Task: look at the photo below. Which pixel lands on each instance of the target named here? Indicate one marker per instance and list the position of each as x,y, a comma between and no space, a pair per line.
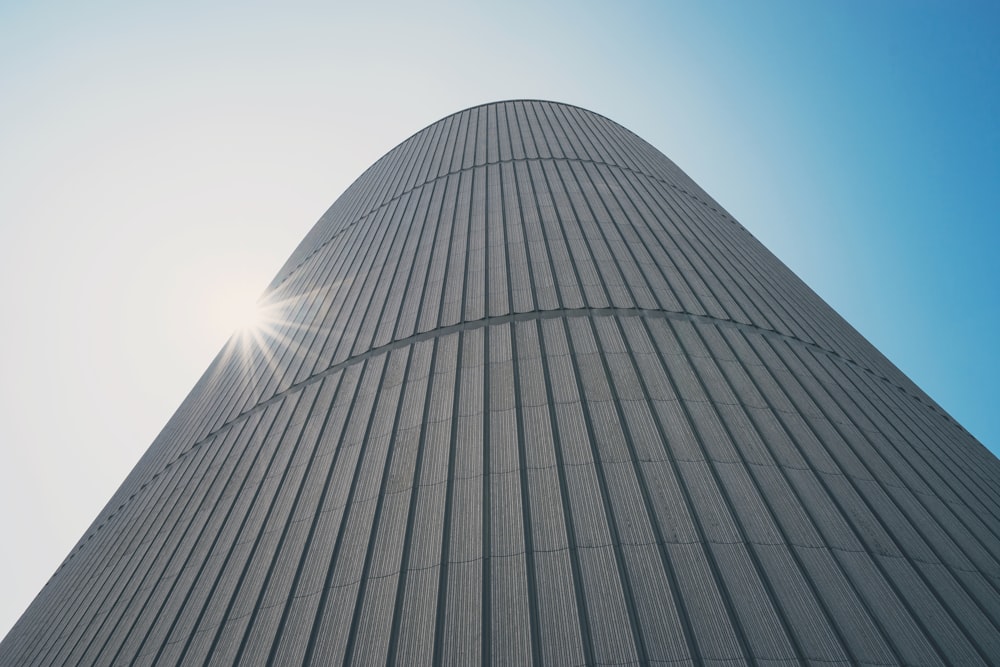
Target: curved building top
596,190
498,132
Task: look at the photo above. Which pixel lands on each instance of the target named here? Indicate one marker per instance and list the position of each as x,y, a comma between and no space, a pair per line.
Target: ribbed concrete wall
535,397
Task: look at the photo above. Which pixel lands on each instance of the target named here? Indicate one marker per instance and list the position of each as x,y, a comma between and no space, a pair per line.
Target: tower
528,394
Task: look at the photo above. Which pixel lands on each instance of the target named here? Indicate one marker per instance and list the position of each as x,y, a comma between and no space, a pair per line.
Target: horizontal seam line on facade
427,182
477,324
543,315
354,580
647,543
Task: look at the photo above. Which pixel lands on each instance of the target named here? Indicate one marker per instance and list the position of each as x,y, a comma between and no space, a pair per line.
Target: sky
160,161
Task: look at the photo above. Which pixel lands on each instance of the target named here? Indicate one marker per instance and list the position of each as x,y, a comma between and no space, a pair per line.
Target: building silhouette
528,394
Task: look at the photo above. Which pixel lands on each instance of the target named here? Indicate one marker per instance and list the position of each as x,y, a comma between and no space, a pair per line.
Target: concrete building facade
528,394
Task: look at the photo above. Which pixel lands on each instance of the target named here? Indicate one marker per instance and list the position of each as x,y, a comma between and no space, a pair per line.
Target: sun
259,328
247,315
233,307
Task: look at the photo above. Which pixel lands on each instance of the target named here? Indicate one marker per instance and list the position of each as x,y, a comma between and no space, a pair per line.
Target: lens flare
248,315
267,330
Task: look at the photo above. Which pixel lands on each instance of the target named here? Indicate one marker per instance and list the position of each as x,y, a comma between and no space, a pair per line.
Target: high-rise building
528,394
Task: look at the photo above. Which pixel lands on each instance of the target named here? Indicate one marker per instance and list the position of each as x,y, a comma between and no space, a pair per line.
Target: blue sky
158,162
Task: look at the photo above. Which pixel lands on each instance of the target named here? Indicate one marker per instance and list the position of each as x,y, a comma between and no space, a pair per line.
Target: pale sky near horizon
159,162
